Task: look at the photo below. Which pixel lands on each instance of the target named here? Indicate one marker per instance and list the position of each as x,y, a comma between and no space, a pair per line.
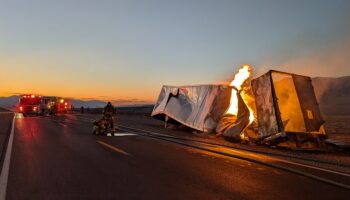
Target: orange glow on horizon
31,75
83,93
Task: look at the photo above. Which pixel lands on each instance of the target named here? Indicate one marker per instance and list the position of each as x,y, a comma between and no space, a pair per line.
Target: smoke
325,52
333,61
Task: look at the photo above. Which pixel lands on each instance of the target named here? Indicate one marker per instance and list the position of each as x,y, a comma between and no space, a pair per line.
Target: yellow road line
112,147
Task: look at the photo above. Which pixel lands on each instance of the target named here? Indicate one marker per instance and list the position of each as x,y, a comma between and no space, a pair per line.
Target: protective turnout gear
100,126
105,125
108,113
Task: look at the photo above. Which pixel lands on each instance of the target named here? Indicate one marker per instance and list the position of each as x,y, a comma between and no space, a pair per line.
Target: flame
251,115
240,77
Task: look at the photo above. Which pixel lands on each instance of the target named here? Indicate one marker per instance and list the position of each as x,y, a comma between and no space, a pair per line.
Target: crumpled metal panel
265,108
163,99
233,125
199,107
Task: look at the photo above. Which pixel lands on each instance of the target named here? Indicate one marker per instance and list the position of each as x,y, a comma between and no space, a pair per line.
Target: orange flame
240,77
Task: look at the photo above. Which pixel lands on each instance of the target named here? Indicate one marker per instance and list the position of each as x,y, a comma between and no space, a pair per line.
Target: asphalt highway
62,160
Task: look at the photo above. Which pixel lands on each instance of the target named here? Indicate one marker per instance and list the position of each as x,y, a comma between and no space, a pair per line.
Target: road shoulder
6,118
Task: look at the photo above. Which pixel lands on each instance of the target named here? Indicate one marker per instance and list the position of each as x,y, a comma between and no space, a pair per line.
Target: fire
240,77
251,115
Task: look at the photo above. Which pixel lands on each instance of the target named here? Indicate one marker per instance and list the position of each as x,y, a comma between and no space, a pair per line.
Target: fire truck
29,104
40,105
63,105
54,105
48,105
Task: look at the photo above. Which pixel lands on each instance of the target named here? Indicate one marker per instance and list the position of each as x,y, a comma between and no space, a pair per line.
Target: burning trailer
276,108
287,110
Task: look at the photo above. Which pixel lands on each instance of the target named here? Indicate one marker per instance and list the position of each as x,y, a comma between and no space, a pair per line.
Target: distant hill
9,102
88,103
333,95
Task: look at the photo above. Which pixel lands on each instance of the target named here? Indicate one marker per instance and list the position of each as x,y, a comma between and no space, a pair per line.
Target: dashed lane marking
113,148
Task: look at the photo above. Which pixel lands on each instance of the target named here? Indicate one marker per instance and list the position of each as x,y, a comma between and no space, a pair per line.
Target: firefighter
108,113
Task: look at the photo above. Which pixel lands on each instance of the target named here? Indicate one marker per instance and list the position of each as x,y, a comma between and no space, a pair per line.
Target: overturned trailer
198,106
285,109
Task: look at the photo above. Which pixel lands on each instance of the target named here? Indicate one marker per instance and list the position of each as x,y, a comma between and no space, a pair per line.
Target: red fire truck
29,104
54,105
63,106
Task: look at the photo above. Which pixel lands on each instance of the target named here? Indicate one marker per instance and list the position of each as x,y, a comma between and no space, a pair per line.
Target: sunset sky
126,50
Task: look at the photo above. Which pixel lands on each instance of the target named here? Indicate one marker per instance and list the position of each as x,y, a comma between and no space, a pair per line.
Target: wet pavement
54,159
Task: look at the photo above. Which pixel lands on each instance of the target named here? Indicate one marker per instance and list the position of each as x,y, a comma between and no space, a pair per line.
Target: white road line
150,132
124,134
6,166
314,167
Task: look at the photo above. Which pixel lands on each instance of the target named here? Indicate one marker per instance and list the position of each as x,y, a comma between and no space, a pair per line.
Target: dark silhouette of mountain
87,103
9,102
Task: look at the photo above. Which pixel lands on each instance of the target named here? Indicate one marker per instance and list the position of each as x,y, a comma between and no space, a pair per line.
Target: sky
126,50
